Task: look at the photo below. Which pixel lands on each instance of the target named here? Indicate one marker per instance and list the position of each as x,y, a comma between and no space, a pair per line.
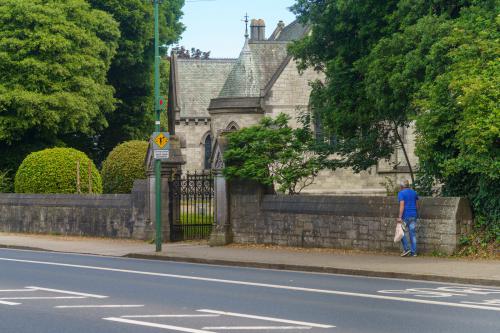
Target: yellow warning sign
161,140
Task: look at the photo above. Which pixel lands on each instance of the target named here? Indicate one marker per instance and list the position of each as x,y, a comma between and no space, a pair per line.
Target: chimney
257,29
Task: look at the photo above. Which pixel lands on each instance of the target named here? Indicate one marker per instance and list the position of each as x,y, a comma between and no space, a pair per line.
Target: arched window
232,126
208,151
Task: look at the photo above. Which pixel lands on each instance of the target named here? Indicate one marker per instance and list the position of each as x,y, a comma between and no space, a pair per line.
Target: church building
208,96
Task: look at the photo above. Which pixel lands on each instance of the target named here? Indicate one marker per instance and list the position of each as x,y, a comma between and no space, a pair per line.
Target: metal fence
191,206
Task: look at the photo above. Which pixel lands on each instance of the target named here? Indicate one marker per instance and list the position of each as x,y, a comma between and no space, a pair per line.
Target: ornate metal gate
191,206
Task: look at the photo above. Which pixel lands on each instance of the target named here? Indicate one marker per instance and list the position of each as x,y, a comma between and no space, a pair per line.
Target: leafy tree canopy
54,57
390,63
272,152
131,72
363,101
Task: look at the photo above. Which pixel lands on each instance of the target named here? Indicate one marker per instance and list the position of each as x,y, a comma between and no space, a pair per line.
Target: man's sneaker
414,255
405,253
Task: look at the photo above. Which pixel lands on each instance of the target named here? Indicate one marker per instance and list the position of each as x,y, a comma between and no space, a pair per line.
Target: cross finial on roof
246,25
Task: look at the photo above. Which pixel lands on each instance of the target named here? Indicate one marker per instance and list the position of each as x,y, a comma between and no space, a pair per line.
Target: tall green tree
346,43
131,72
54,58
459,122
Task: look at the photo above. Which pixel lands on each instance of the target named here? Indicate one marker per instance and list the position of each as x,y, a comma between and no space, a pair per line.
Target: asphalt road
53,292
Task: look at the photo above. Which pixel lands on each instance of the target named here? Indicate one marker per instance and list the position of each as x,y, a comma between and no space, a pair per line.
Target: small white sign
161,154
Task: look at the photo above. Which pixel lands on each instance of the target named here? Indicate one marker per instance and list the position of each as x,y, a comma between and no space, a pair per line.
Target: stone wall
107,215
347,222
192,135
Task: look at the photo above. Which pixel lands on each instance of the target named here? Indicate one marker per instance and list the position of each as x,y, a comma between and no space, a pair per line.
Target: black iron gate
191,206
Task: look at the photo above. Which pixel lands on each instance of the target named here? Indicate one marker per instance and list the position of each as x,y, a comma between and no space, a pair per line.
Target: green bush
124,164
55,171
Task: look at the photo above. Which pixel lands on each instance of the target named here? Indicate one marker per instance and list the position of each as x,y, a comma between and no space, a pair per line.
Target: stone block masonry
106,215
346,222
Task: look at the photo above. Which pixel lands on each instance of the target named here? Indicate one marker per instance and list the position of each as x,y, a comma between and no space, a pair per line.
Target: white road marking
277,320
245,267
99,306
263,285
67,292
15,290
166,327
258,328
172,316
42,297
9,303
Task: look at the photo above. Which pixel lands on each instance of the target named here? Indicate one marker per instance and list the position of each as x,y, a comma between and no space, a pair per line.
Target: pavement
388,265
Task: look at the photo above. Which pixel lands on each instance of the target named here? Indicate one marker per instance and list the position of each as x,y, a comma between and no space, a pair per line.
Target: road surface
47,292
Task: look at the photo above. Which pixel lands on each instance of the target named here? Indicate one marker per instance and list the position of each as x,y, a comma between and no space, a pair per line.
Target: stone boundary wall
346,222
105,215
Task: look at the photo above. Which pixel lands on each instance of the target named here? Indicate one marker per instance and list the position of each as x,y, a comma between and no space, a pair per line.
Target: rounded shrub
55,171
124,164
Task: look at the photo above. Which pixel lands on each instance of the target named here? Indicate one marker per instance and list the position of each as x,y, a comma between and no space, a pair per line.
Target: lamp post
158,238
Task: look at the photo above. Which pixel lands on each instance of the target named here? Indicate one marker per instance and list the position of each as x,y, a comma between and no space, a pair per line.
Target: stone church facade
207,97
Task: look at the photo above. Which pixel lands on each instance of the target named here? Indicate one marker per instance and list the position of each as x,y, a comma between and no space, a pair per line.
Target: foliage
370,52
124,164
5,182
388,63
55,171
459,126
272,152
131,72
54,57
182,52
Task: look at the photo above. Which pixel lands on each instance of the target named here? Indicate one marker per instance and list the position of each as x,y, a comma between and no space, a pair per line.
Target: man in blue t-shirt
408,205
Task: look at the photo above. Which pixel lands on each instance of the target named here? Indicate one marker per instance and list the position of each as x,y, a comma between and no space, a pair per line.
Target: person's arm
401,210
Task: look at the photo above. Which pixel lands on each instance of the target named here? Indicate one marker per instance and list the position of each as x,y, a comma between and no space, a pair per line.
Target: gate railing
192,206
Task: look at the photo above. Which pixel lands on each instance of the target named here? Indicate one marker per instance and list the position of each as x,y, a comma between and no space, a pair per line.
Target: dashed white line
262,285
42,297
15,290
67,292
9,303
235,328
99,306
278,320
172,316
166,327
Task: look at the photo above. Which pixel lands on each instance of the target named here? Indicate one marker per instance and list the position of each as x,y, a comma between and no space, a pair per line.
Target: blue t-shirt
410,198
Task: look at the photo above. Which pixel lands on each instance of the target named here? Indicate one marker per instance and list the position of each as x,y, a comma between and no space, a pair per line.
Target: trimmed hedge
124,164
55,171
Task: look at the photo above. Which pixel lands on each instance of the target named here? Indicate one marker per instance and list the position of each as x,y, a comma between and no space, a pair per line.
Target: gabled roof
258,62
197,81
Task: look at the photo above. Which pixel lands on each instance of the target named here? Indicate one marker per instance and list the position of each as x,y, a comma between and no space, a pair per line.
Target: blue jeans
411,223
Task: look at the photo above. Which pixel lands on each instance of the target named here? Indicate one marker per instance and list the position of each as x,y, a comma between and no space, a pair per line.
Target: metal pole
157,128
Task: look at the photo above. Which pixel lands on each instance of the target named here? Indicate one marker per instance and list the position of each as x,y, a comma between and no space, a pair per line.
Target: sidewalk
485,272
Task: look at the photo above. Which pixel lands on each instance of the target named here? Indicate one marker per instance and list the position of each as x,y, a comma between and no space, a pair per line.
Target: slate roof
293,31
258,62
251,75
197,82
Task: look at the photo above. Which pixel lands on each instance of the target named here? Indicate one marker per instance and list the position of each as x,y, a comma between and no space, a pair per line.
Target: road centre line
147,324
99,306
172,316
9,303
263,285
15,290
42,297
67,292
277,320
258,328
